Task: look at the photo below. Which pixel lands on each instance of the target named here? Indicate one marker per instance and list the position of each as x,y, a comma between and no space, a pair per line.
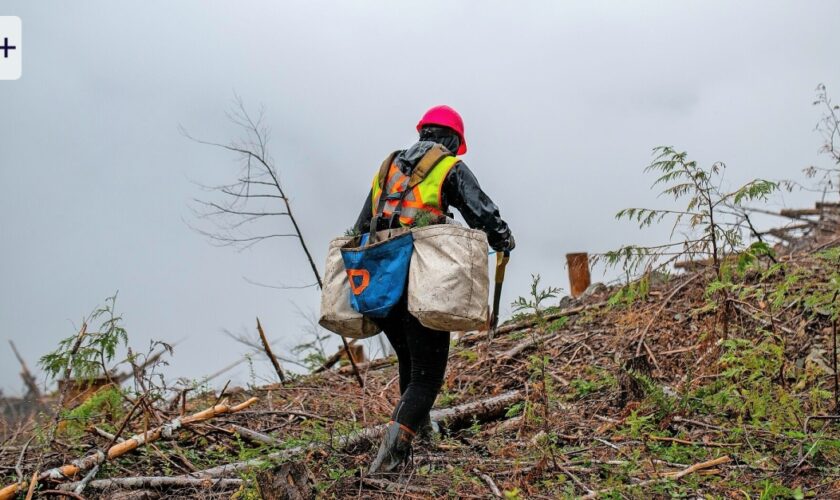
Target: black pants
422,354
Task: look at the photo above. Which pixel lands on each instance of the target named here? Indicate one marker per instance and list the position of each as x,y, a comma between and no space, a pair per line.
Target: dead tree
32,391
827,179
271,357
243,211
829,124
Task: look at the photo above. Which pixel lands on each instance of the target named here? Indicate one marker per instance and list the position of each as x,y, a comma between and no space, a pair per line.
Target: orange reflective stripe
413,200
364,274
421,206
393,170
398,184
390,206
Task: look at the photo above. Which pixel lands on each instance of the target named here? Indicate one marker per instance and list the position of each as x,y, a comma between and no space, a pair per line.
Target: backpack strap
384,168
432,157
383,196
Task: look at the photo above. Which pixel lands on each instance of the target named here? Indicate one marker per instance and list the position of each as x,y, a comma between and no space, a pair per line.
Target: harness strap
383,169
383,196
432,157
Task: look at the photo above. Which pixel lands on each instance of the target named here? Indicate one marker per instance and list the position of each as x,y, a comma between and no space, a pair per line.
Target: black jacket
460,190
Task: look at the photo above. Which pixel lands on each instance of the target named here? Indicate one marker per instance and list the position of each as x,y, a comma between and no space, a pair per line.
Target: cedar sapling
713,231
534,304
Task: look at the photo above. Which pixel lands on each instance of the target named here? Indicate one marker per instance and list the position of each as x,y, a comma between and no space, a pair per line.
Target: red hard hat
447,117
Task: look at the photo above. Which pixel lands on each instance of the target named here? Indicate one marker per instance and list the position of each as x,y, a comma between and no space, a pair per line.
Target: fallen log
525,345
457,416
522,325
329,362
370,365
799,212
550,317
482,410
85,463
254,436
827,205
784,214
155,482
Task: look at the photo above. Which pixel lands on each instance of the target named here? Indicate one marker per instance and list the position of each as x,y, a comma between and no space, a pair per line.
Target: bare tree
829,127
255,194
243,211
32,391
827,178
829,124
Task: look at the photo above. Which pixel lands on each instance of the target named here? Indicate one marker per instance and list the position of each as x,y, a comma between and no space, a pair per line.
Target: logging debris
643,396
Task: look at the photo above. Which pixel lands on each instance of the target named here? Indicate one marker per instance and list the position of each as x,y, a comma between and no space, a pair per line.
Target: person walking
447,182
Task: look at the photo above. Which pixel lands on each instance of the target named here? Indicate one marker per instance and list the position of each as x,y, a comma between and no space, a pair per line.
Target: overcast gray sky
562,101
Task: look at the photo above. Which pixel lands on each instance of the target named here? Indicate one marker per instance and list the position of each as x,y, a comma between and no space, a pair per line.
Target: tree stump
579,278
291,481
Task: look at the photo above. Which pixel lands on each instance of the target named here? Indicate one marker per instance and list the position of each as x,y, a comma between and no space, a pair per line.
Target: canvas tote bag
337,315
448,283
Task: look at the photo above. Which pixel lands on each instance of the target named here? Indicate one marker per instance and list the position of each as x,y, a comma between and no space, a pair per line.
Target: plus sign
6,48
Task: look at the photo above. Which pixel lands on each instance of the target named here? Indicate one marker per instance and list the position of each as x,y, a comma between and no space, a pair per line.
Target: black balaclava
444,136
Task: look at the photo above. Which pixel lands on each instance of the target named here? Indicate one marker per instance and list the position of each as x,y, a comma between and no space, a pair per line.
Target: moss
103,408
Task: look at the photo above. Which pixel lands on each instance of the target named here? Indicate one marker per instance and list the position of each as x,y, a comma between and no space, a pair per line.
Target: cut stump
291,481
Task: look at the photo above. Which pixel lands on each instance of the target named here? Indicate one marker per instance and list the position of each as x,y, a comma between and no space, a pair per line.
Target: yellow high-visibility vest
424,185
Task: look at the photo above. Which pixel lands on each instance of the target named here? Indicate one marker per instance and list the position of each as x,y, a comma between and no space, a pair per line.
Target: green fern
96,349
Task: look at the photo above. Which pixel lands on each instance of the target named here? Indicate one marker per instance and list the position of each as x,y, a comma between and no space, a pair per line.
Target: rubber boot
427,431
394,450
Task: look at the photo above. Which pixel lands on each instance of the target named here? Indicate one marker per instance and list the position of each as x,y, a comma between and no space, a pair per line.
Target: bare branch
222,210
279,287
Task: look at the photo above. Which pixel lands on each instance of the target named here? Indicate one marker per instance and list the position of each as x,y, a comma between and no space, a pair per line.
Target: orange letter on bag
361,273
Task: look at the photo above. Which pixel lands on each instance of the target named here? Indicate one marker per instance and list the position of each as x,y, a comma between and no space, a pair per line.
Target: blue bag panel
378,274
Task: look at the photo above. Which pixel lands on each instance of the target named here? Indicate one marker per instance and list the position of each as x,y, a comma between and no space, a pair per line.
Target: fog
562,104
